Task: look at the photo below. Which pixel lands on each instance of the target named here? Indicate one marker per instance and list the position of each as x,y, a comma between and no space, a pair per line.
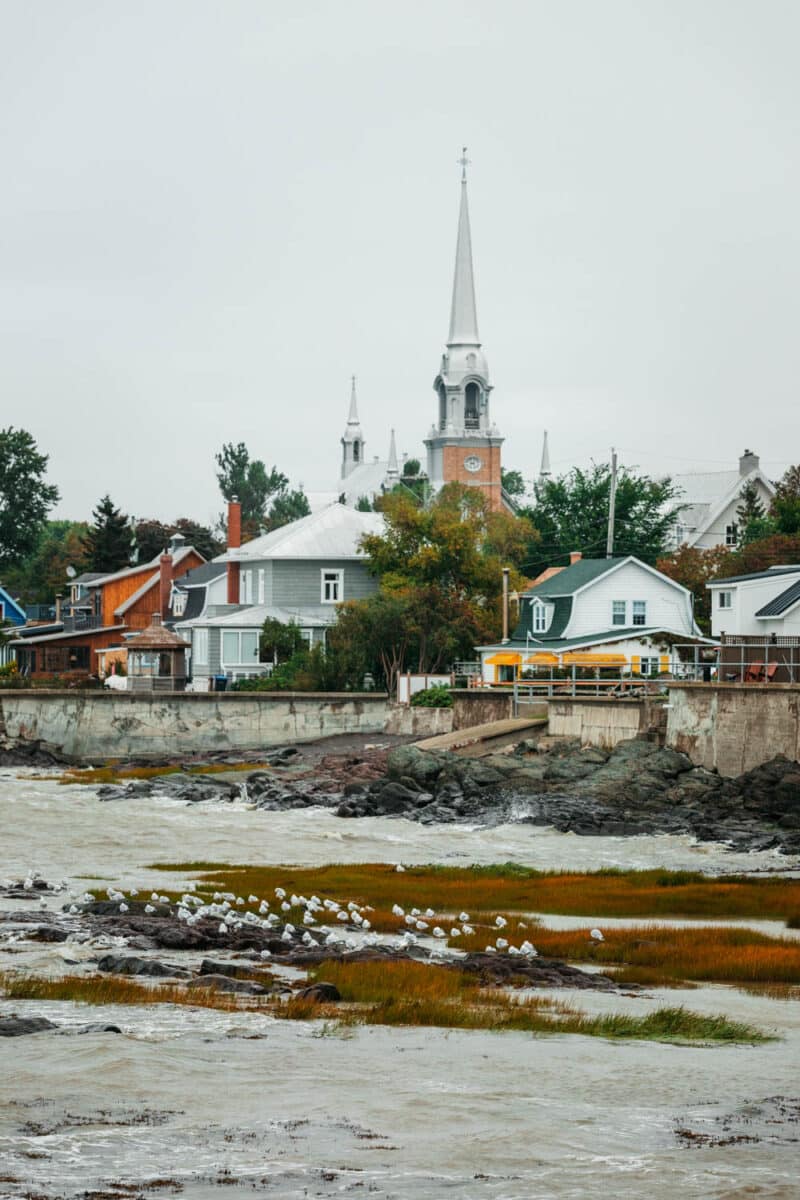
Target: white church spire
463,313
544,470
392,469
353,440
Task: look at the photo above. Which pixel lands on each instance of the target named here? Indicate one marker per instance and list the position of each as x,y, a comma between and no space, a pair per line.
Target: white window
239,647
261,585
731,535
200,647
539,617
639,612
725,600
649,666
332,587
178,604
246,596
619,610
307,636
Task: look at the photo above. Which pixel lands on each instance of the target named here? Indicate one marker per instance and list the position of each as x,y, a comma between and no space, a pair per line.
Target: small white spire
463,313
352,418
544,470
392,469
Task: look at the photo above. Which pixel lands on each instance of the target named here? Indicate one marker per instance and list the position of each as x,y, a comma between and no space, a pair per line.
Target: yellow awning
504,660
577,658
543,659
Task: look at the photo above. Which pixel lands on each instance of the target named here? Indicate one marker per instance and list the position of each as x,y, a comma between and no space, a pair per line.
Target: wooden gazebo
157,660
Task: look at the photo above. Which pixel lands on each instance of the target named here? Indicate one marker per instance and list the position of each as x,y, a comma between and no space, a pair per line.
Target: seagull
266,954
148,908
528,950
491,950
438,932
467,929
429,912
454,932
501,943
155,896
398,911
285,907
223,928
123,908
342,916
251,899
422,926
463,916
280,893
365,924
500,922
597,935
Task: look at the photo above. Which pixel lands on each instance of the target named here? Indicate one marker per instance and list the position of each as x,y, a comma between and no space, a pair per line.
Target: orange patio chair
753,672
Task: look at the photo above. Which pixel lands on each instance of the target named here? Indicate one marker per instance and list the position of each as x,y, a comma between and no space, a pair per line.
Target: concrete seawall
99,725
734,727
602,722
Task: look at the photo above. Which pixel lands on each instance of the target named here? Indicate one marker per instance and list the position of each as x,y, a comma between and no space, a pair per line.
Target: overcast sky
212,214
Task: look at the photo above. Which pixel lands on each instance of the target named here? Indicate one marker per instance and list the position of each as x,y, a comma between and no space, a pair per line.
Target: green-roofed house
615,608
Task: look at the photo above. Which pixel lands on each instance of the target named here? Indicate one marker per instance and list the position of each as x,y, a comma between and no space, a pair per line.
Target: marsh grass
89,989
394,994
510,889
111,773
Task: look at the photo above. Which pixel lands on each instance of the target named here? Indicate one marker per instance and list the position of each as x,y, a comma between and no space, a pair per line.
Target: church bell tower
464,445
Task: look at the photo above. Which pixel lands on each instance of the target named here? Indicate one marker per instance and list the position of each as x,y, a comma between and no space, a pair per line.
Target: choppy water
293,1110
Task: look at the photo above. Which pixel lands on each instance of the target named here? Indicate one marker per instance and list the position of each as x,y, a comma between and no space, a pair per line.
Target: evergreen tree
109,541
364,504
750,514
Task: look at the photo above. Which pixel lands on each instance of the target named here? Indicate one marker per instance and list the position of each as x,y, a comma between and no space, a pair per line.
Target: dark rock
119,964
20,1026
394,798
224,983
421,765
325,993
232,970
49,933
96,1027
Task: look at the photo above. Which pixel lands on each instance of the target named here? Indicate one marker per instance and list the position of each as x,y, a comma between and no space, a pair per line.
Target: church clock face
472,462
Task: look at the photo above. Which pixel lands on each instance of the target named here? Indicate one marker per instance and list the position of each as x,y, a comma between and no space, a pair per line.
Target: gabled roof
332,533
562,611
138,568
8,599
87,577
771,573
577,576
781,603
151,581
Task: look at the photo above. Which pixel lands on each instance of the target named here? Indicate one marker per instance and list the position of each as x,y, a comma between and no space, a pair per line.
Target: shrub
436,696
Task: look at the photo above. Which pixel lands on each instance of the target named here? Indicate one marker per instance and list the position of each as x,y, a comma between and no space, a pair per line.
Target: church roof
463,312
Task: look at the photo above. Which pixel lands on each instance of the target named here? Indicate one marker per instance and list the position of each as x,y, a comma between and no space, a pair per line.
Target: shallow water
241,1104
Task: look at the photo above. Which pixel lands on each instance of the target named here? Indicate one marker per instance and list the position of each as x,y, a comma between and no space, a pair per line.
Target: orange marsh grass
88,989
110,773
507,888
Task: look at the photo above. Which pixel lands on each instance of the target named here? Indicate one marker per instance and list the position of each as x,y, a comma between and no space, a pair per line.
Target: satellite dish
71,572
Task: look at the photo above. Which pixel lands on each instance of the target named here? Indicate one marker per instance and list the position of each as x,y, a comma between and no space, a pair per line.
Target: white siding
747,598
715,534
668,606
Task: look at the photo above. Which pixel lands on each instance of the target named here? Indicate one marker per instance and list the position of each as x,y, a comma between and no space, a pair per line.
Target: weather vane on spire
464,163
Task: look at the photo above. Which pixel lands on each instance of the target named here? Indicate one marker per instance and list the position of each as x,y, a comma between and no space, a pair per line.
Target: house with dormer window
617,610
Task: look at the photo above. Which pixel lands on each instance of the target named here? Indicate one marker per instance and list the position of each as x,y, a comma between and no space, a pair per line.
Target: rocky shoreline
636,788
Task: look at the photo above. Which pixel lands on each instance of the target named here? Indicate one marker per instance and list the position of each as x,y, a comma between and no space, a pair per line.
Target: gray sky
213,214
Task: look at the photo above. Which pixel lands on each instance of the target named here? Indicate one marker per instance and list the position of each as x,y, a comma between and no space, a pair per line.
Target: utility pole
506,573
612,499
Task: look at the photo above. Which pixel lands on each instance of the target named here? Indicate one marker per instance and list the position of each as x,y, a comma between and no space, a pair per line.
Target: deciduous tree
25,496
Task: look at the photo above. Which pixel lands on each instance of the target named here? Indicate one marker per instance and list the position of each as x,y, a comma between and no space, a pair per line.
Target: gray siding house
296,575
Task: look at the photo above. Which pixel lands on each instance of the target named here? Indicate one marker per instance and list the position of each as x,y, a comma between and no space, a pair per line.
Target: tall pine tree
108,541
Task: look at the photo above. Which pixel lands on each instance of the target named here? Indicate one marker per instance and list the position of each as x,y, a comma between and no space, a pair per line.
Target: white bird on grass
528,950
501,943
285,907
454,932
123,908
251,899
438,932
500,922
280,892
597,935
398,911
148,908
467,929
463,916
491,950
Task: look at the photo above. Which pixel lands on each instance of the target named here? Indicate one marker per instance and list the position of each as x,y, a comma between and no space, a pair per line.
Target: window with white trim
725,600
262,589
732,534
239,647
649,666
332,586
178,604
639,612
619,610
539,617
200,647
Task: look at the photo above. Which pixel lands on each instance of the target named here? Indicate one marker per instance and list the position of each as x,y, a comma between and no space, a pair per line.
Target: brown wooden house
121,603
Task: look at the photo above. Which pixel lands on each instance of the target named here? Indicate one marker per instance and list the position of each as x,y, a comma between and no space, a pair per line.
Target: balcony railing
82,623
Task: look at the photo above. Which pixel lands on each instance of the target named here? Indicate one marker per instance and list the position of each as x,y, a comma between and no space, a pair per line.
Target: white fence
409,685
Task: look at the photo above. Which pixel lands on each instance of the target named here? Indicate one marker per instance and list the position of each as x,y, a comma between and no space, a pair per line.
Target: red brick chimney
575,556
164,584
234,542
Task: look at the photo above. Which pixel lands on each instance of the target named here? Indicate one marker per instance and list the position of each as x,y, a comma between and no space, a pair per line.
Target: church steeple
464,444
463,313
353,440
392,469
544,470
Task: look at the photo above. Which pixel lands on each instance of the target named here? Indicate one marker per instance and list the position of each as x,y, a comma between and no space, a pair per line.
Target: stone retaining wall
418,722
100,725
734,727
600,722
